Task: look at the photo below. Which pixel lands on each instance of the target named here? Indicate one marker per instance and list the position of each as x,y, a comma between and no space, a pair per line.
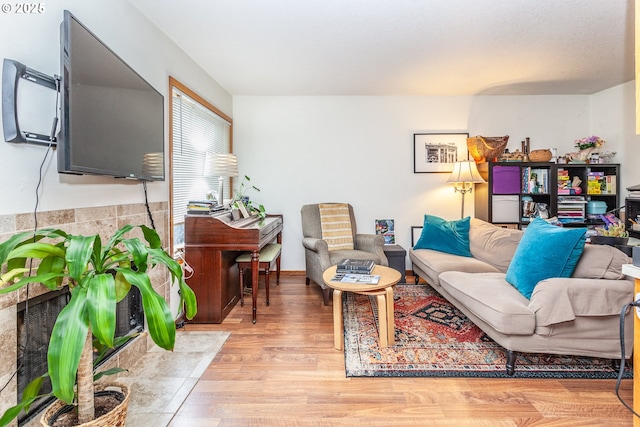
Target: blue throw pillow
544,251
441,235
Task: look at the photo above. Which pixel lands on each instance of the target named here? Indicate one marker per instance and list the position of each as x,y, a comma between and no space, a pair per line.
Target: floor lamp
464,175
220,165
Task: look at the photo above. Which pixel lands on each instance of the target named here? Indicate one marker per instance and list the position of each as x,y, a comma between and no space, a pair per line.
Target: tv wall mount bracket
12,73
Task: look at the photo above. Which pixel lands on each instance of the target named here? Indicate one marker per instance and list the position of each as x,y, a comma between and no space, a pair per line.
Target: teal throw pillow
445,236
544,251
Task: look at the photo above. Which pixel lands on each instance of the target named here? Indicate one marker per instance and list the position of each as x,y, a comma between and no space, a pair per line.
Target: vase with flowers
585,146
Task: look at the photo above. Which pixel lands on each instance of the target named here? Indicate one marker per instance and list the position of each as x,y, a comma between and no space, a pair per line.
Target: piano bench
268,259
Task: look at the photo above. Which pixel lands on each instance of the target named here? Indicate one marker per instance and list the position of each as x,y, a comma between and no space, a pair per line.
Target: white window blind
196,131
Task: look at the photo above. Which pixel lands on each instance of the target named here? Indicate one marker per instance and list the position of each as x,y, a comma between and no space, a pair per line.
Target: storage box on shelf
576,193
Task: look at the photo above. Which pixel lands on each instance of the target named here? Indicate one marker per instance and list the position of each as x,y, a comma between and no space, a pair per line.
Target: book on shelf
356,266
535,180
366,279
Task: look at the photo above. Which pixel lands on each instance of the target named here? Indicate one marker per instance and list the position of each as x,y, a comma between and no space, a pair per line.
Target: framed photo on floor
437,152
387,228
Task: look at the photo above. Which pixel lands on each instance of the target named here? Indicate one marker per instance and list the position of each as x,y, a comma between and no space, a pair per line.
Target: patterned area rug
434,339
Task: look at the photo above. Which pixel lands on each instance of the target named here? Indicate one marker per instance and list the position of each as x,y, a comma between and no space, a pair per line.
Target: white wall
34,40
300,150
613,117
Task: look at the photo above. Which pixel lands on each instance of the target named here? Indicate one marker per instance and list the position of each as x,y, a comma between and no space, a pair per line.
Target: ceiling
404,47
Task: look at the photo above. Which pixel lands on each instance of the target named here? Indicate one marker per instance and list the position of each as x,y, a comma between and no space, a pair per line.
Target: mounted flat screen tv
112,120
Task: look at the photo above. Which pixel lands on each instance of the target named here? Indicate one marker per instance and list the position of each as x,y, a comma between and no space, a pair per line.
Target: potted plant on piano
99,274
241,198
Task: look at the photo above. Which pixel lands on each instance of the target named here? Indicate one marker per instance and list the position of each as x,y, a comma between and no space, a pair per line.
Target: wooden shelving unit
511,184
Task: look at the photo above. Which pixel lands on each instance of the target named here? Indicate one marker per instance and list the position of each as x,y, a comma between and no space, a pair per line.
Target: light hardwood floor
284,371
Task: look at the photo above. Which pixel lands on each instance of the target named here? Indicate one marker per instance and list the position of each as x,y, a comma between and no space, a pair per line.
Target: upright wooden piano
211,245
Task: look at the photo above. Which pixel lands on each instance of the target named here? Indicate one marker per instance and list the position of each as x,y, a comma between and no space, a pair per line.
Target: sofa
574,315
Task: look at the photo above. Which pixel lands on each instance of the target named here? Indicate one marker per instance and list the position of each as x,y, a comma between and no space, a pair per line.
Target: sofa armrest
558,300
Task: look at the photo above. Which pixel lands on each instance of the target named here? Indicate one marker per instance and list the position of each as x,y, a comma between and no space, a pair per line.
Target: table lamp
464,175
220,165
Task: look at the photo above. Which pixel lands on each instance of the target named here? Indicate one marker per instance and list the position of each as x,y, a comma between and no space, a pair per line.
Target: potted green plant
98,275
241,197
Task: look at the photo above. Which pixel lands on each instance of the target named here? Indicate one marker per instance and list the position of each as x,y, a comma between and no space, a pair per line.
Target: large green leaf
14,411
188,298
160,256
101,294
26,237
40,278
138,251
78,255
96,256
52,264
111,371
122,287
8,245
11,275
65,346
115,239
156,310
29,395
151,236
116,258
36,250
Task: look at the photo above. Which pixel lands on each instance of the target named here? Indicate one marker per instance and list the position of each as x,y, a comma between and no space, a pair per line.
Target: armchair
319,255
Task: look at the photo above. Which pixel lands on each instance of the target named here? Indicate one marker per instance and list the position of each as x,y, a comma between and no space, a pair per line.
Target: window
197,128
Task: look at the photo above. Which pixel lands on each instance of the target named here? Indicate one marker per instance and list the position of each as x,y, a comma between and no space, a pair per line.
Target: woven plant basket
114,418
486,148
540,155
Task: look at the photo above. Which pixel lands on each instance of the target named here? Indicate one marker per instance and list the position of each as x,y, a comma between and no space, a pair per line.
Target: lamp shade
220,164
465,172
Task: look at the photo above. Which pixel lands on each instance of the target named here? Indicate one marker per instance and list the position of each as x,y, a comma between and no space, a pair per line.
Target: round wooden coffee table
383,290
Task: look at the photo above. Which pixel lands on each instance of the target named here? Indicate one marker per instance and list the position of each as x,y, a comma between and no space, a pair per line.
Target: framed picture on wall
437,152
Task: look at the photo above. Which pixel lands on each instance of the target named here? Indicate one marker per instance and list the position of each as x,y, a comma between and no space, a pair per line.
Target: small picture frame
387,228
243,210
437,152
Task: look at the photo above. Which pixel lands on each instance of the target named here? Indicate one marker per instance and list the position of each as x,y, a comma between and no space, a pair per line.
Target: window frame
175,84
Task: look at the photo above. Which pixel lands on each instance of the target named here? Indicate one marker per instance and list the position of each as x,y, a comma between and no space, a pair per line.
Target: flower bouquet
585,146
589,142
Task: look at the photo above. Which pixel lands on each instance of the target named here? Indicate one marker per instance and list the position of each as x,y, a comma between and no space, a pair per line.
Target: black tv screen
112,120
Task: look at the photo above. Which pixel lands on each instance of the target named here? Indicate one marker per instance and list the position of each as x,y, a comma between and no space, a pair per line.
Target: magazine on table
367,279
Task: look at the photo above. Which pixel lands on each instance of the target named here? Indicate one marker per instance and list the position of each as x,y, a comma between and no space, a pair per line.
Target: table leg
391,324
338,322
382,317
636,358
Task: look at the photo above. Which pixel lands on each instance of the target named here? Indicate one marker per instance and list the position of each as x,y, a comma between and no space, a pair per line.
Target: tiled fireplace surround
103,220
